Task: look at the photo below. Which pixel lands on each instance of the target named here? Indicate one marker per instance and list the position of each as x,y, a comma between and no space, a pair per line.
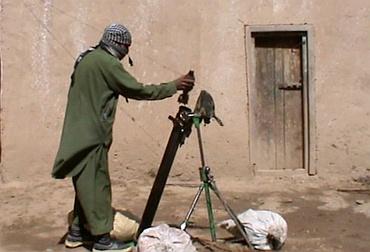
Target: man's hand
185,82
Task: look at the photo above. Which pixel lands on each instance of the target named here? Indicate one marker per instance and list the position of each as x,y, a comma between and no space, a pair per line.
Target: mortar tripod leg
233,216
184,224
211,219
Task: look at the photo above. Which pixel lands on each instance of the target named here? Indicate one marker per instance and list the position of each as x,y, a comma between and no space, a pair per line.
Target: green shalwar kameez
97,82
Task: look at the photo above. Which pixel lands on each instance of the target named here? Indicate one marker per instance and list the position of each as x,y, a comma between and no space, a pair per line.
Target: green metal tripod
208,184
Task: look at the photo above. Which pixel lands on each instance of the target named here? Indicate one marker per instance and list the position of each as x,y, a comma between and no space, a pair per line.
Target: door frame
309,104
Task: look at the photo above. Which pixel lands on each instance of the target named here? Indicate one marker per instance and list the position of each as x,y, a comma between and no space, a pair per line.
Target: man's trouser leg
79,219
93,194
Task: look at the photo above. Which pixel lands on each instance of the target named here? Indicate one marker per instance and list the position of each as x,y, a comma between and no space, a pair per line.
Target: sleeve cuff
172,87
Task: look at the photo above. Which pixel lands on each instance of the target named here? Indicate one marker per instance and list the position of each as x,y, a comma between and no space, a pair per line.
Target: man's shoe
76,237
107,244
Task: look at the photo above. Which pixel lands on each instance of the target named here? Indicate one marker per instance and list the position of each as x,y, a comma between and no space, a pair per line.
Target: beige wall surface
41,38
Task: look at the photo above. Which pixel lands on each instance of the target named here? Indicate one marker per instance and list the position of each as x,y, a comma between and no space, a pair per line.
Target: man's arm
125,84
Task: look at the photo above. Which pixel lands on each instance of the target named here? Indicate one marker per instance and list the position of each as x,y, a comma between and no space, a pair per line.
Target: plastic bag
163,238
266,230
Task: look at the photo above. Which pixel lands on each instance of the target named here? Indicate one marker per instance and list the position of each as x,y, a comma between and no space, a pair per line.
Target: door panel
263,114
293,120
277,125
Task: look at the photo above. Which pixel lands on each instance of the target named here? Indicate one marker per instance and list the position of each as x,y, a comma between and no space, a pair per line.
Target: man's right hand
185,83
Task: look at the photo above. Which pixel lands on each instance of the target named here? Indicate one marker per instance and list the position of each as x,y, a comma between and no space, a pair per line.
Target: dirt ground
320,217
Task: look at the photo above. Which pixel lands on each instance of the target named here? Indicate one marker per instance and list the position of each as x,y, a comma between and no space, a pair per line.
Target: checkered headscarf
116,39
117,35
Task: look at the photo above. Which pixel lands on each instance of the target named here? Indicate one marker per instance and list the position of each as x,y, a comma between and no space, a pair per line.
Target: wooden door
277,137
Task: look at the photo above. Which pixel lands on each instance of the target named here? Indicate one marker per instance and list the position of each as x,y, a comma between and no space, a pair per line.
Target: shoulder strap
79,58
82,55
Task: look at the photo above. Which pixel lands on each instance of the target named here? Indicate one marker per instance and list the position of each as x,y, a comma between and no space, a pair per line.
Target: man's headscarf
116,38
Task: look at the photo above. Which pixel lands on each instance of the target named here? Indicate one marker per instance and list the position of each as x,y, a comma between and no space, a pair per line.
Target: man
97,81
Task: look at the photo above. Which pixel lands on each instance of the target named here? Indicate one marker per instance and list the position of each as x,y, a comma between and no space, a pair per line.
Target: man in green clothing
97,81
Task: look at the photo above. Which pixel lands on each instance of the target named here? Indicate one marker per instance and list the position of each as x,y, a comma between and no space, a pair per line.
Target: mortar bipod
208,184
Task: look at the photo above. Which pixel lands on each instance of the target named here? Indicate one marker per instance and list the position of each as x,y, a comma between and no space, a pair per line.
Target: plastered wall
41,38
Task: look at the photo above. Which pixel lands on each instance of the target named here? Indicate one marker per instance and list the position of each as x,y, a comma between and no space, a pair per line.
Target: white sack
266,230
163,238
